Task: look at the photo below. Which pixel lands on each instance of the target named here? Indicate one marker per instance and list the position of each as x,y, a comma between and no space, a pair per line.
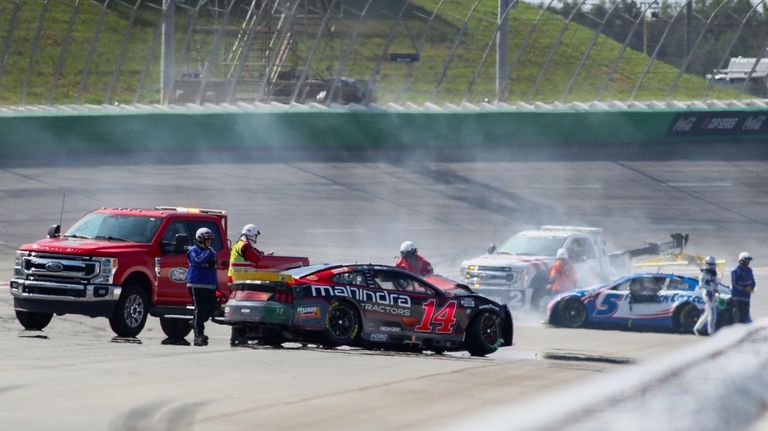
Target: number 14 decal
446,317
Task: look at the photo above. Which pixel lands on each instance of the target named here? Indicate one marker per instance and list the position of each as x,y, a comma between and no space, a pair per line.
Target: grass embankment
396,82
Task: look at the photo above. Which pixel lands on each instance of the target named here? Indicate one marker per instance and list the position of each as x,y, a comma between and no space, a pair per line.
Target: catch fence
360,51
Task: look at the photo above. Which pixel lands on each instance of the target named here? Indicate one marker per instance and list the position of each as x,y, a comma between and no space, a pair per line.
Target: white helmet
745,256
202,234
561,254
711,261
407,248
251,232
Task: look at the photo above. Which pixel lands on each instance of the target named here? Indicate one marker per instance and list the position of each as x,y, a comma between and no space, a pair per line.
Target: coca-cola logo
754,123
684,124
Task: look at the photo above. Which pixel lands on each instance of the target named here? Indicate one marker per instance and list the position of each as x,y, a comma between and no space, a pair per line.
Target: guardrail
715,384
278,128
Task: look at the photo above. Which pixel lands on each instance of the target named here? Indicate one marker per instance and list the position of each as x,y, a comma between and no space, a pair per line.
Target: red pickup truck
123,264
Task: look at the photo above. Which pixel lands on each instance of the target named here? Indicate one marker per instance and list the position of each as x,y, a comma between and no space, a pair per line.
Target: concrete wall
321,130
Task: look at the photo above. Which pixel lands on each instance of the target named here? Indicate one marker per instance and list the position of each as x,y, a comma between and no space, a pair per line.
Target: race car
366,305
645,301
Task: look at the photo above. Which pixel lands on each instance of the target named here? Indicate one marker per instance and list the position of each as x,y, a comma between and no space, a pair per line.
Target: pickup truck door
583,255
172,280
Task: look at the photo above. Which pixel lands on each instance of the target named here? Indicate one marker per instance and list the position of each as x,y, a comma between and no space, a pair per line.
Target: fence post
167,72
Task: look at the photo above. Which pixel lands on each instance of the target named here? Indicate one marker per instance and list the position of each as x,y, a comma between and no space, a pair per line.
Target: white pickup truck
517,272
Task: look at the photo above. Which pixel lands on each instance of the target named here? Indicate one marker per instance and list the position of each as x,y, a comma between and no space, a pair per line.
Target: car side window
580,250
622,287
676,284
354,278
401,282
194,225
176,227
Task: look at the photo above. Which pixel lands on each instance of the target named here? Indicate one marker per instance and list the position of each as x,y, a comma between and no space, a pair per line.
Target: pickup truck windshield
115,227
531,245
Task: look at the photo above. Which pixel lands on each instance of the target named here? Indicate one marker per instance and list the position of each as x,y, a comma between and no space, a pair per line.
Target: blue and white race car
646,301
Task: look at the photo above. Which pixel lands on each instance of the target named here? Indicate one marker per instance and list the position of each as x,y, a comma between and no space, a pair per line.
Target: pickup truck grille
59,267
55,291
494,269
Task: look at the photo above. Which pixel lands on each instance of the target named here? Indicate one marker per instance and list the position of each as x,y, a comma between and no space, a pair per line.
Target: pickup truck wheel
484,334
32,321
130,313
342,324
572,313
175,329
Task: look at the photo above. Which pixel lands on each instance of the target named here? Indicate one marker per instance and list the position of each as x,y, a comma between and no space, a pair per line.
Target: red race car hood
77,246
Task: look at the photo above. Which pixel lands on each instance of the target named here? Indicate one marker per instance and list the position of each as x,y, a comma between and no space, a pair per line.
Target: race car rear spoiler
261,276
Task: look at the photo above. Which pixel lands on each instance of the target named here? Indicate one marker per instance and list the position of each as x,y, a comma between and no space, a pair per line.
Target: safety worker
201,281
244,256
708,284
742,287
562,274
410,260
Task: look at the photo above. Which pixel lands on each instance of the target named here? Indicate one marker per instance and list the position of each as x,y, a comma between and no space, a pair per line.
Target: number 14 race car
650,301
366,305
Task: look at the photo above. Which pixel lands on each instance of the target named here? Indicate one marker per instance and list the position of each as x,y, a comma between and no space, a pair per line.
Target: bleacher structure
267,56
742,72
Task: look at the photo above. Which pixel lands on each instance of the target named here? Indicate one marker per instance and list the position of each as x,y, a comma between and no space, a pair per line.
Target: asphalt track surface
74,375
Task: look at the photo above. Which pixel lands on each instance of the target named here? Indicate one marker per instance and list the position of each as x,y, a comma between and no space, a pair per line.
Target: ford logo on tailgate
54,266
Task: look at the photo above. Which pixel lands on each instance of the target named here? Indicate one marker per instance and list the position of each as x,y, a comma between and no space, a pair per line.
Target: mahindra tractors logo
54,267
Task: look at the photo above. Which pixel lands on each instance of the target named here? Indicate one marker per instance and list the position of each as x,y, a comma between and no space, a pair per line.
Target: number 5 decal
446,317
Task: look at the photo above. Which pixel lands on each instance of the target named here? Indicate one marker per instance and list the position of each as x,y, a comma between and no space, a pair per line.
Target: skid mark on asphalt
585,357
11,388
451,356
150,417
689,194
478,194
376,196
298,401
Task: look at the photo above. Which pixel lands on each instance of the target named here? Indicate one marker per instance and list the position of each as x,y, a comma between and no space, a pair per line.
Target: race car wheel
342,324
175,329
572,313
484,334
32,321
130,313
687,317
725,317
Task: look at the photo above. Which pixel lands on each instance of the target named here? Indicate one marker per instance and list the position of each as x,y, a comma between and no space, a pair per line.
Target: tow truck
123,264
517,272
